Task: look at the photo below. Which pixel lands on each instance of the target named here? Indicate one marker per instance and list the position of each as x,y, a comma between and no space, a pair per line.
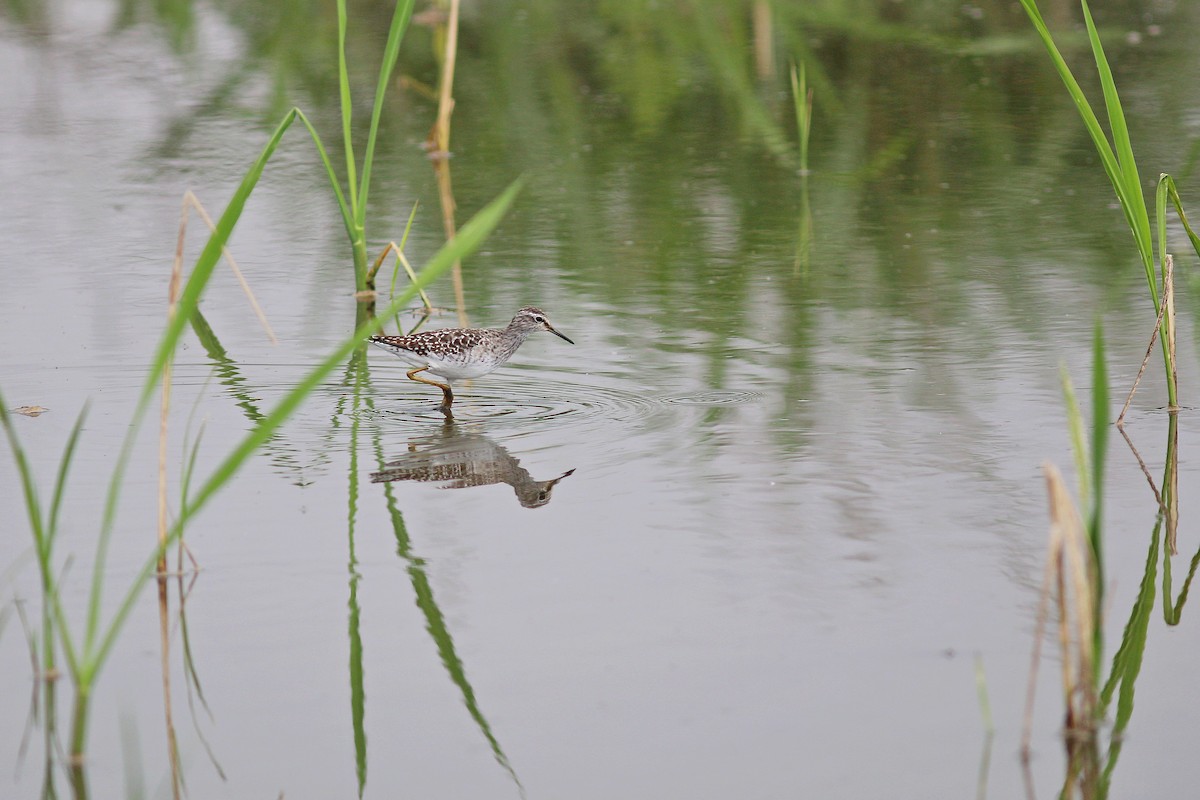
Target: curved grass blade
33,506
469,238
391,53
1117,158
358,692
1166,188
1173,612
189,299
60,482
43,535
435,624
1135,214
347,111
347,216
1120,132
1127,661
1100,426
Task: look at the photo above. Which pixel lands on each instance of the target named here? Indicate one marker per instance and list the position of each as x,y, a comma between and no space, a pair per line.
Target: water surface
805,495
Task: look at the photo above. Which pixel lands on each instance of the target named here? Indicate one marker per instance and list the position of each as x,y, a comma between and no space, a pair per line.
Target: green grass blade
468,239
197,281
1120,133
1100,433
1127,661
347,214
403,241
358,694
189,470
33,506
1160,214
1168,512
189,300
1175,199
358,709
408,225
1100,423
208,337
1164,329
347,111
42,538
439,631
1074,90
60,482
1173,613
1108,158
390,54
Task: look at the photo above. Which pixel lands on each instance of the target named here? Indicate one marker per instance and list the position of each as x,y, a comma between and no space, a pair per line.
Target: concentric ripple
715,398
537,400
529,397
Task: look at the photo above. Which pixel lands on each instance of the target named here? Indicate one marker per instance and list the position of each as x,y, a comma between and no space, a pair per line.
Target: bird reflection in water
460,460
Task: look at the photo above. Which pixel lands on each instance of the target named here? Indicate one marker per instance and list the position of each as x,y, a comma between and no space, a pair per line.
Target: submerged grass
354,214
1073,582
1074,587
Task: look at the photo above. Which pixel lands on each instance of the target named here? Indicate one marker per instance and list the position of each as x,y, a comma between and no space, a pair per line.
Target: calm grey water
806,498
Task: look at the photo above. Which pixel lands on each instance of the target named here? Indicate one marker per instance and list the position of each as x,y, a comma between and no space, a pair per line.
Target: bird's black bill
556,333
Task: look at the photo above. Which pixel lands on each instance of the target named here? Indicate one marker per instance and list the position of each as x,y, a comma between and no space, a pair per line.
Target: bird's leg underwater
447,395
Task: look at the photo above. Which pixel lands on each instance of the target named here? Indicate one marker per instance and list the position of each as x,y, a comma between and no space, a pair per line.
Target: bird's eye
538,319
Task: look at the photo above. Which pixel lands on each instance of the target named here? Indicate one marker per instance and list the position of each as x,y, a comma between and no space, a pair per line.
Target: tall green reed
354,214
1119,164
85,655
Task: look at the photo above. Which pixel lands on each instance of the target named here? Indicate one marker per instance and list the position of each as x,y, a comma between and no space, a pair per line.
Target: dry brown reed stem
190,202
194,202
1027,777
164,649
392,247
1166,309
1077,581
1145,470
764,40
1070,577
163,600
1168,301
441,153
165,407
446,86
1168,499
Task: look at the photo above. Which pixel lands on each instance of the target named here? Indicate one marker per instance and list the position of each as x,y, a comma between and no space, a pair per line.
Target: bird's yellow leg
447,395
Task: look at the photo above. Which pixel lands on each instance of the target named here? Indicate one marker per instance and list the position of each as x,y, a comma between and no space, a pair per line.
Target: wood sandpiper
456,353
